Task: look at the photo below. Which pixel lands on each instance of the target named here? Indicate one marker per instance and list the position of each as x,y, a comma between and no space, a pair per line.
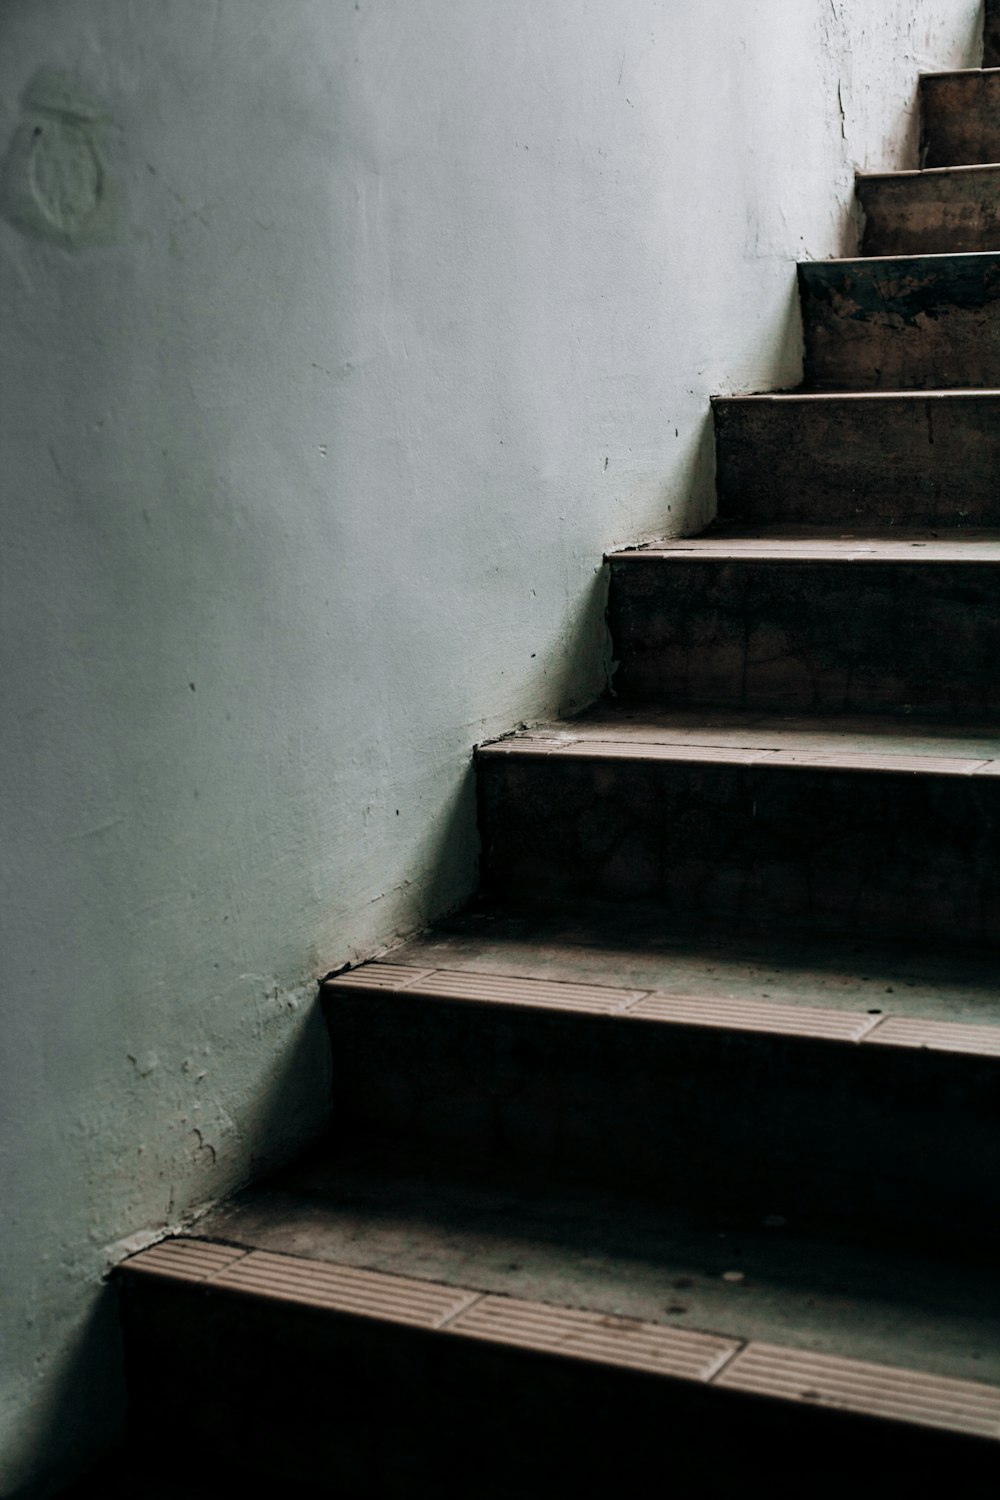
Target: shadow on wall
84,1408
585,673
450,853
688,495
792,339
292,1102
84,1404
446,865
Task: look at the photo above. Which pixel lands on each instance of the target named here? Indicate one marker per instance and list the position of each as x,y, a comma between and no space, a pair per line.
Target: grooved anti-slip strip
754,1015
717,1013
937,1036
500,989
858,1386
594,1337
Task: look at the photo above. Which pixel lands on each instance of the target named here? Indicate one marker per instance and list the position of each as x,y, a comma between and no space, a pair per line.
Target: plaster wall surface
340,339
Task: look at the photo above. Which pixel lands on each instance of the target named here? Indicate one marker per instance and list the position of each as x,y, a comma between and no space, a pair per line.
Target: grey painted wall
339,341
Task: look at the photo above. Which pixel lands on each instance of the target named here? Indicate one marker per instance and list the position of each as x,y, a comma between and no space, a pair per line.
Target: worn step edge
948,394
916,256
783,1373
775,1018
959,73
962,552
988,168
653,754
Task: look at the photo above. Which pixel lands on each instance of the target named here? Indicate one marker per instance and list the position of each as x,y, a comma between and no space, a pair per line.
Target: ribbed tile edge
870,1389
371,1294
937,1036
496,989
185,1260
755,1015
307,1283
721,1013
763,1369
380,976
595,1336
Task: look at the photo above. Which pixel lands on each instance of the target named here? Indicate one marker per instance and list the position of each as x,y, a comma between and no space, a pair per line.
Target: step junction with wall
678,1153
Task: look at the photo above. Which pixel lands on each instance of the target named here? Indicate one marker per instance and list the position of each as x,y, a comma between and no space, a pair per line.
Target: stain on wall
54,182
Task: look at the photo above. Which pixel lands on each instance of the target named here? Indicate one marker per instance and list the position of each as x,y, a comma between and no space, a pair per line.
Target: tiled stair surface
678,1155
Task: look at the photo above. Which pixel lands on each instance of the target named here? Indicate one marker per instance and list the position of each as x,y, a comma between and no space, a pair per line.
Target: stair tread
930,256
873,742
986,167
387,1226
797,1014
946,393
828,544
619,956
960,73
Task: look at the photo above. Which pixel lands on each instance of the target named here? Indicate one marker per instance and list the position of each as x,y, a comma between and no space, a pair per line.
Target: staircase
674,1162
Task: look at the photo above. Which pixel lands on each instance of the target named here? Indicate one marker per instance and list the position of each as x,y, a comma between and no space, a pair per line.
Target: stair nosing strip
775,1364
859,763
819,1023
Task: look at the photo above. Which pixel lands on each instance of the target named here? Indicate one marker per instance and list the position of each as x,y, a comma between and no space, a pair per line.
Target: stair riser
930,214
834,850
880,462
832,637
961,118
991,35
901,324
328,1405
689,1115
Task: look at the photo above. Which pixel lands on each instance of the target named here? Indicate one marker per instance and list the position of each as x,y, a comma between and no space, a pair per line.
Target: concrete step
878,458
689,1065
901,323
852,827
371,1329
939,211
961,117
810,623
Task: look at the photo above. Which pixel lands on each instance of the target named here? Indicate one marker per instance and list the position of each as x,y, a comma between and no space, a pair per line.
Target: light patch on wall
55,184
